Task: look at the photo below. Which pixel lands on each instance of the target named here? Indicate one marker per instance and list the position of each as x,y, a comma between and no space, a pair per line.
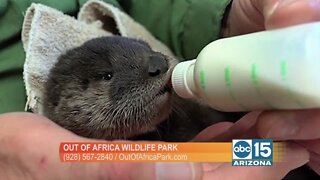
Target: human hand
248,16
226,131
30,150
301,126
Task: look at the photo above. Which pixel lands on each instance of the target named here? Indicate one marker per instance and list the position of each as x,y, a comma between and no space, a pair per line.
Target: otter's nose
157,65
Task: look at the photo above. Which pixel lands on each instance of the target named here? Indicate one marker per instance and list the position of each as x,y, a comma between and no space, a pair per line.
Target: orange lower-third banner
239,152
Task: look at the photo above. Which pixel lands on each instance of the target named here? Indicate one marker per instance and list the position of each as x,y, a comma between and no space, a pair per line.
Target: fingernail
284,126
268,13
279,4
283,3
166,171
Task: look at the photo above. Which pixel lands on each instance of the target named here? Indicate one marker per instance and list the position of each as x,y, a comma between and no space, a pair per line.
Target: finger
239,128
290,125
313,146
315,162
295,157
243,18
283,13
30,145
212,131
247,16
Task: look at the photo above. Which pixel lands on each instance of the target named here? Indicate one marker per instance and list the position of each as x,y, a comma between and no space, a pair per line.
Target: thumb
283,13
30,144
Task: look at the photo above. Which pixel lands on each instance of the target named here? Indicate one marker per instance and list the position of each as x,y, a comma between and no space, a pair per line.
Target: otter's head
108,88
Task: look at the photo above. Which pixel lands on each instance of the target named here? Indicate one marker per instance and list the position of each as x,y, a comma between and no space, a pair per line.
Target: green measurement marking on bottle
228,82
255,82
284,73
202,79
283,70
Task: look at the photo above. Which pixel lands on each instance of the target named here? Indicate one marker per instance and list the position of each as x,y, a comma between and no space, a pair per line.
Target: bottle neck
189,80
183,80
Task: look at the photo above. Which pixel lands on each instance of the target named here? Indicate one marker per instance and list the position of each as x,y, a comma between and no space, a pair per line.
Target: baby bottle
274,69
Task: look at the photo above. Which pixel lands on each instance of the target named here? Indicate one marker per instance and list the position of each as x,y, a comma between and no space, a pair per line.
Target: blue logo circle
242,149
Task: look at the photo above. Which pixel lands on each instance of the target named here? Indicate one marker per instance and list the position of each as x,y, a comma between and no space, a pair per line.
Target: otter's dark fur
117,88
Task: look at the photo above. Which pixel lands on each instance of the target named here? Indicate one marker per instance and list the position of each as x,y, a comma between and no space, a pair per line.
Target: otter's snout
157,65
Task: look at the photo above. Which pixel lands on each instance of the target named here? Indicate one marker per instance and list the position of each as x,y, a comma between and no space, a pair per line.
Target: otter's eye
107,76
103,76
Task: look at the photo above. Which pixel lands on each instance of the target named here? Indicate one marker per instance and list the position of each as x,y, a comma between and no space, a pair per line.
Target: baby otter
119,88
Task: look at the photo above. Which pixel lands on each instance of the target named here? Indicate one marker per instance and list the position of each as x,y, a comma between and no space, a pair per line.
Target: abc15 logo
250,149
